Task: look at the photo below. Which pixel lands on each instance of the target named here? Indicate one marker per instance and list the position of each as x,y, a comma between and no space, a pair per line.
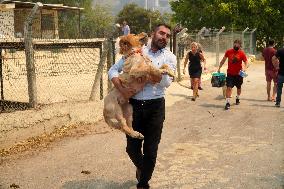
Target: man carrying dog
148,106
235,59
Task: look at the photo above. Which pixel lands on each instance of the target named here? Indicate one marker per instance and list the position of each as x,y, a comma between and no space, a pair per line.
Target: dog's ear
142,35
125,43
143,38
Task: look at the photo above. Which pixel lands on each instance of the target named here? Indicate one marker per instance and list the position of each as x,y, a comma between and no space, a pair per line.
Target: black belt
145,102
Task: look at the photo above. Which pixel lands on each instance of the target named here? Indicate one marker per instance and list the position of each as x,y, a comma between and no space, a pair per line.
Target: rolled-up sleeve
166,79
115,69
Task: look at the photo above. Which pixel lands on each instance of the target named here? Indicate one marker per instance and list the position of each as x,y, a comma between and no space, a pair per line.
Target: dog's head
131,41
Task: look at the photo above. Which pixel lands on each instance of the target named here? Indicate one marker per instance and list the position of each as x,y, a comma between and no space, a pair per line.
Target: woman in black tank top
194,58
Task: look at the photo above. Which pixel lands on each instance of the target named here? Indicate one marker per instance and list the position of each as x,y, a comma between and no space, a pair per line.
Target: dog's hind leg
127,128
110,121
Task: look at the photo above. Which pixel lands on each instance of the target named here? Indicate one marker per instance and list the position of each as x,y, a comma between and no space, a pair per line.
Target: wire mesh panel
65,71
63,65
214,46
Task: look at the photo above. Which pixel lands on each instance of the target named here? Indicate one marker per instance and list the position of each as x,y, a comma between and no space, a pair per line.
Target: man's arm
166,79
244,68
246,63
203,60
222,63
113,74
185,62
275,62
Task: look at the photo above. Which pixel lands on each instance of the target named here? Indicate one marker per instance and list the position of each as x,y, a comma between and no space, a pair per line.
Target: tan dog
137,71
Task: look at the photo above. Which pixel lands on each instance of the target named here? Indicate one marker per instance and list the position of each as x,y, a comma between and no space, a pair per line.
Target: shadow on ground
213,105
255,100
98,184
181,95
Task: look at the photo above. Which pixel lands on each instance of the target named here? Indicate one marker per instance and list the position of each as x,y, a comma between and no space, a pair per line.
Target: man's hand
275,62
126,92
142,79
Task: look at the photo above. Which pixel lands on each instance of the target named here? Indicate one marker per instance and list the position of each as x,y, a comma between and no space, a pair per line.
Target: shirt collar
151,52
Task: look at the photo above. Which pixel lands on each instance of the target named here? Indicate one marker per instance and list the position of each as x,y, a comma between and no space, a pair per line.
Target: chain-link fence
214,43
50,70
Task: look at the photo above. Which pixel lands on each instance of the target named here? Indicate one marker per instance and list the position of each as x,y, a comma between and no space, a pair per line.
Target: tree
98,22
139,19
266,15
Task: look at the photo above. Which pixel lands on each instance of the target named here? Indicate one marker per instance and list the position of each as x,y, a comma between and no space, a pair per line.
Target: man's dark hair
271,42
162,24
238,41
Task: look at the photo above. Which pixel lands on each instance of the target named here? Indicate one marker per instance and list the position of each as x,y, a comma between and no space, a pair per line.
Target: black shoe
193,99
277,104
237,101
200,88
138,174
227,106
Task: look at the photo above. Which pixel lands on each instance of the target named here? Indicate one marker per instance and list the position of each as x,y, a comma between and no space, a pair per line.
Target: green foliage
265,15
97,23
140,19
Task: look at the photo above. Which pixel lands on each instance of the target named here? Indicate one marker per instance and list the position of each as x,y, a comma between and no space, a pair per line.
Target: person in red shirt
236,57
270,71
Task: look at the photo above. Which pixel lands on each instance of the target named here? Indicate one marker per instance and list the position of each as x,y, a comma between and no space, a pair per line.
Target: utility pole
146,4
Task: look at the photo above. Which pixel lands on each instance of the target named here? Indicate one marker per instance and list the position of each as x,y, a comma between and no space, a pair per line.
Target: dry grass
45,140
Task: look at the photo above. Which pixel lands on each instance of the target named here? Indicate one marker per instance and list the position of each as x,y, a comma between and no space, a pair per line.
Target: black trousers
148,119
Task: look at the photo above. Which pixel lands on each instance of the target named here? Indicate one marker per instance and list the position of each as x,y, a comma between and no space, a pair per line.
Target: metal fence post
199,33
31,75
104,46
99,72
109,61
251,38
243,38
1,75
217,45
177,51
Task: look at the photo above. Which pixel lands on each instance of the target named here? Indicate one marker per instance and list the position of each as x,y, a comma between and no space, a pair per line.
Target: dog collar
138,51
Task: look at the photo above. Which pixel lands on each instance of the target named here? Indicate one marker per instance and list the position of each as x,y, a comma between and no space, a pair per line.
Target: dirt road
203,147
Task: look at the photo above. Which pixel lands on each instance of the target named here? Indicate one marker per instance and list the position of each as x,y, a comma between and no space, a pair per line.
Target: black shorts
234,80
195,74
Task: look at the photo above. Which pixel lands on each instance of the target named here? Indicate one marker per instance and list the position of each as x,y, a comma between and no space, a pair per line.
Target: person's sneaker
277,104
227,106
193,99
237,101
200,88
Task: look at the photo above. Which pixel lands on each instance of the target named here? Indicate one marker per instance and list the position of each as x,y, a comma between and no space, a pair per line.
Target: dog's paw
137,135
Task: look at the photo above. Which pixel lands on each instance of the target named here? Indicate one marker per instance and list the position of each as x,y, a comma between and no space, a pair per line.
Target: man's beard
159,43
